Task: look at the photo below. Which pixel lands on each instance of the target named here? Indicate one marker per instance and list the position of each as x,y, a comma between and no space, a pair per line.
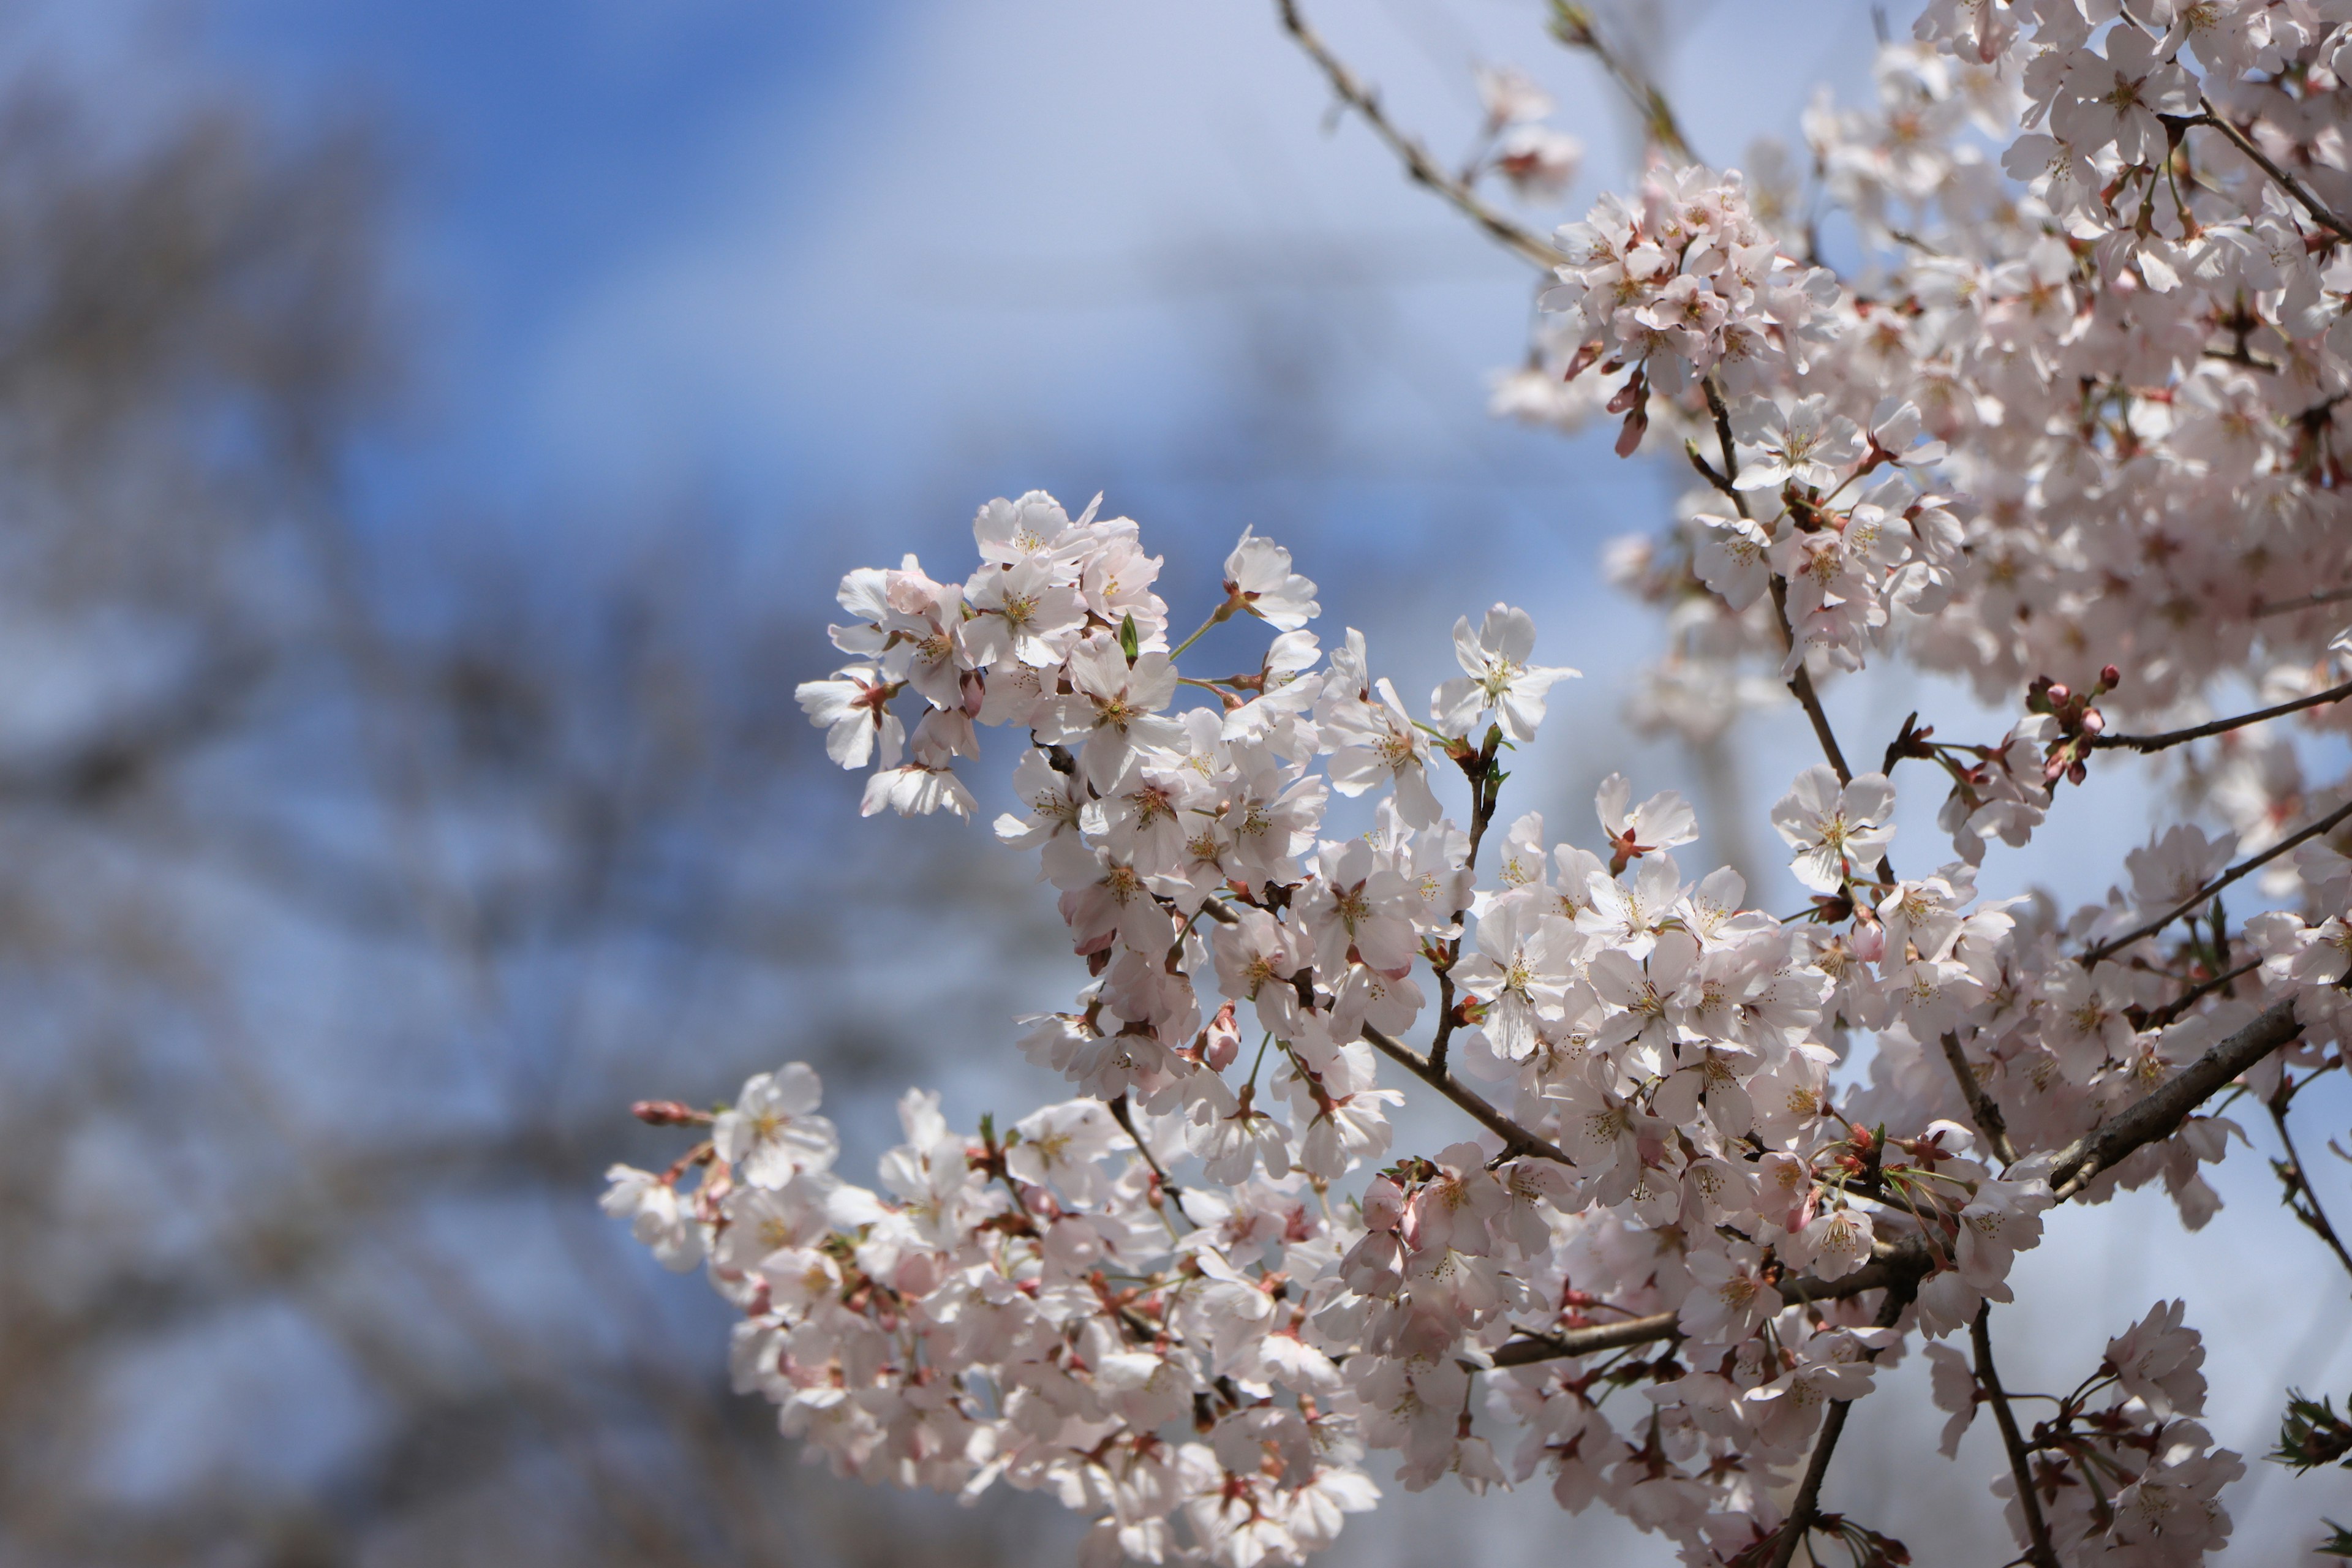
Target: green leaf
1128,639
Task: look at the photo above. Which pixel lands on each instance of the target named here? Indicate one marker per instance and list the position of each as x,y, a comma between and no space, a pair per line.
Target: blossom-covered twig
2262,160
1418,162
1983,1108
1515,1137
2160,1113
2204,895
1807,1504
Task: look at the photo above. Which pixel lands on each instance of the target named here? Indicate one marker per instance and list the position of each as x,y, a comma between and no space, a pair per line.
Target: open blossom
1836,830
1497,676
1258,576
1795,441
773,1131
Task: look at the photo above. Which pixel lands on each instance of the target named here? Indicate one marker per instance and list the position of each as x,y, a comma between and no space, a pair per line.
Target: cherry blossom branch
2196,994
2159,1113
2309,601
1513,1135
1486,785
1801,1512
2290,1171
2041,1554
1900,1268
1572,24
1423,168
1983,1108
1801,681
2196,900
1125,1120
2287,182
2156,1116
2219,726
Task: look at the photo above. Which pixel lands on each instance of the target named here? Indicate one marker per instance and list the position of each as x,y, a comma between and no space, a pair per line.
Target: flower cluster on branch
2070,435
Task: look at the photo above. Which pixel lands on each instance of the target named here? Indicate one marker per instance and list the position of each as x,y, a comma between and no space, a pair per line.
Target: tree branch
1572,24
1801,1512
2156,1116
1801,681
1900,1268
2309,602
2020,1468
1515,1136
2290,1171
2287,182
2159,1114
1981,1105
2198,899
2219,726
1423,168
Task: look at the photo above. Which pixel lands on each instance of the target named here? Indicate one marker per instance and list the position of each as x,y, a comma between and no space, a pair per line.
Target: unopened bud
2094,721
667,1113
2110,677
2059,693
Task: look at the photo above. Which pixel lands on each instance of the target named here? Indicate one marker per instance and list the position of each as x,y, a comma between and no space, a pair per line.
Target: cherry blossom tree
2064,430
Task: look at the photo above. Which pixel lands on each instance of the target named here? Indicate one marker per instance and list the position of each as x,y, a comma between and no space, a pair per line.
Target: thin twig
2154,1117
2221,726
2159,1114
1807,1506
2198,900
1801,681
1900,1268
1365,101
2292,185
1515,1136
2196,994
2309,602
2040,1552
1126,1118
1981,1105
2297,1177
1572,24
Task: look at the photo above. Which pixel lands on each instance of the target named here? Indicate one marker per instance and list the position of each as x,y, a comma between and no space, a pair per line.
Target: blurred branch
1419,164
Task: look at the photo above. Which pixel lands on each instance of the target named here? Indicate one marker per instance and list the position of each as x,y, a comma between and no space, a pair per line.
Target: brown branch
1981,1105
2287,182
1900,1268
2196,900
2020,1468
1800,681
2297,1179
1803,1511
1572,24
2309,602
2159,1114
2154,1117
1515,1137
1424,169
2196,994
2221,726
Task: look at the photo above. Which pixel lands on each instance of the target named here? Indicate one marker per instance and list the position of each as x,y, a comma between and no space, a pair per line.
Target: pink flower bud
1224,1040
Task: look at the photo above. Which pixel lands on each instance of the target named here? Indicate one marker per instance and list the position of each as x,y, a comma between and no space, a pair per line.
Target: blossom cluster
2067,433
1217,1238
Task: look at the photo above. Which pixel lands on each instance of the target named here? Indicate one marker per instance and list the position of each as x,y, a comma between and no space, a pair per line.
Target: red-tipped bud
2094,721
2059,694
667,1113
2110,677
